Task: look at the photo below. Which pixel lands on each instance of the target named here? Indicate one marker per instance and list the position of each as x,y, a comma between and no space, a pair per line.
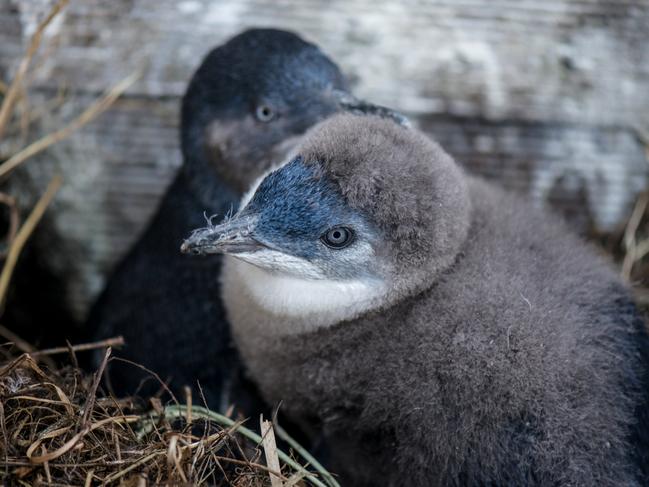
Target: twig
88,482
249,464
73,356
22,236
87,116
14,89
92,395
23,345
132,466
630,235
188,401
46,466
270,450
151,373
110,342
35,114
5,437
327,477
23,121
174,411
72,442
641,249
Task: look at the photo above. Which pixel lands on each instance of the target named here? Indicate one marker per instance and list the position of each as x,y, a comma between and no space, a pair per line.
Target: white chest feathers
283,304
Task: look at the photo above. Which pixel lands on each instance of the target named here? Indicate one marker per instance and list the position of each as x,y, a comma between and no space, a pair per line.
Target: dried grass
19,238
12,92
13,95
630,246
58,428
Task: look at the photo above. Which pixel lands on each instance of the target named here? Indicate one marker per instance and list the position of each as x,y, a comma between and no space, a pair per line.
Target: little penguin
246,105
438,330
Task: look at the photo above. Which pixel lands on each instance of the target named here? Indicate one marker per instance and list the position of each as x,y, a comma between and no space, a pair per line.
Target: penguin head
251,97
365,200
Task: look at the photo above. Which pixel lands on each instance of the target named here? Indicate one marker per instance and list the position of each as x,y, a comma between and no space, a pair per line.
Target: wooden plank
548,98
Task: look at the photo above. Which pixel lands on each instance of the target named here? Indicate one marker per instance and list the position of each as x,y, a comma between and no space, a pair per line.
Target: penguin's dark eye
264,113
338,237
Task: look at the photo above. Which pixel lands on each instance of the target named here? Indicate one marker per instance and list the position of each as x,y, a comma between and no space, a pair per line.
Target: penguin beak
233,236
348,102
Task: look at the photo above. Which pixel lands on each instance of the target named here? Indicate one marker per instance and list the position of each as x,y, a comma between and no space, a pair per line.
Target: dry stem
14,89
23,234
87,116
633,252
109,342
270,450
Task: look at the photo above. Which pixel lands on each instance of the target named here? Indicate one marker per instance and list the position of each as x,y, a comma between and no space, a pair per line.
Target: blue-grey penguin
245,106
438,330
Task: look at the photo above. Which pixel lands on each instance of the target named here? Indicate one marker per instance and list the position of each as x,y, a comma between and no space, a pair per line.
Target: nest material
629,248
56,429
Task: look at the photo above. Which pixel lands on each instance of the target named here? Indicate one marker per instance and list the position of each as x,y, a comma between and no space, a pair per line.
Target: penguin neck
301,305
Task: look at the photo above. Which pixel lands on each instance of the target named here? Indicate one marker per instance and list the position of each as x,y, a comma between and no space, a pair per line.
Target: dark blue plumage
243,108
295,206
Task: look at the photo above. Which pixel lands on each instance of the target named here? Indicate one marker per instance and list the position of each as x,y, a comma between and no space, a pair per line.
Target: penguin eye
264,113
338,237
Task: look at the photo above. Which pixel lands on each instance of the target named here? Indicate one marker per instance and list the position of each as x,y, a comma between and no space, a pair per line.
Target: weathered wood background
550,97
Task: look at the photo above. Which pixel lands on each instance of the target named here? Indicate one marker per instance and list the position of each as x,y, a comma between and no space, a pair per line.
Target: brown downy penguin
440,331
247,104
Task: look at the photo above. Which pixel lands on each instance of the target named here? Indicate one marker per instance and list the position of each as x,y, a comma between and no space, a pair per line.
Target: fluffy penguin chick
440,331
247,104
